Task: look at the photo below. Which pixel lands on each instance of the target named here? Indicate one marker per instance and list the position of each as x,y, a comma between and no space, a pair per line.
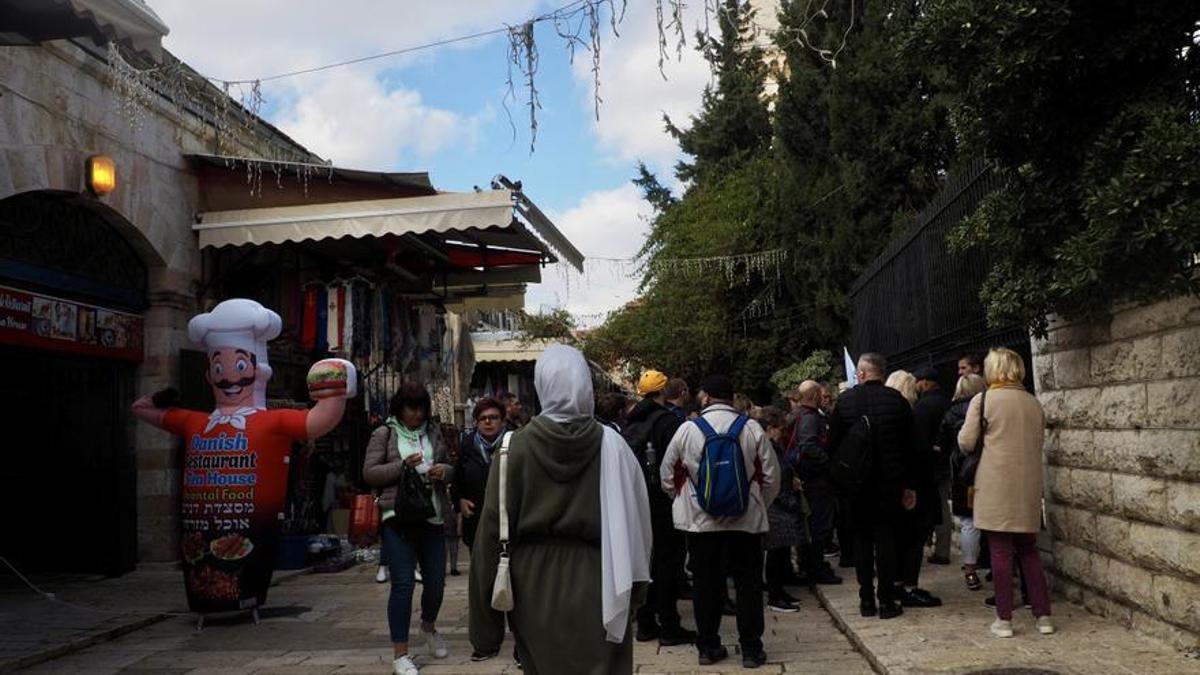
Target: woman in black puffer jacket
969,540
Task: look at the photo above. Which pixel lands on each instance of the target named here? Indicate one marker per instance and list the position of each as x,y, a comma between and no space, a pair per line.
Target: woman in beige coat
1008,485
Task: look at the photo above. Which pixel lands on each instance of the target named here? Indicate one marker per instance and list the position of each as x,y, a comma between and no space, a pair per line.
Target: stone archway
66,243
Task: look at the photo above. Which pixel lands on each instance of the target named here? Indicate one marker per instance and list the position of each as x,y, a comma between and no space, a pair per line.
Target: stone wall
1122,401
57,107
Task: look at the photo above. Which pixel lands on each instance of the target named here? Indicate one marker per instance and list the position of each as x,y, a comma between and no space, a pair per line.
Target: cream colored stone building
139,258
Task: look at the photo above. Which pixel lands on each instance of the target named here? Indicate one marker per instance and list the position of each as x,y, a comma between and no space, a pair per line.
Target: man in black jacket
930,464
887,486
649,428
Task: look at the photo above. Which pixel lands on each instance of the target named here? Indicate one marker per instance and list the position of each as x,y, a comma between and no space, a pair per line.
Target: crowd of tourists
588,523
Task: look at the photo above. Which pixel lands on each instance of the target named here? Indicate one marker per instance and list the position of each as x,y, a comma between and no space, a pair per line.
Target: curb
844,627
135,624
81,643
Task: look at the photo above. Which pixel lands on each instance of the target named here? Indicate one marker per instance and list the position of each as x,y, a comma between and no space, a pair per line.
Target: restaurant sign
44,322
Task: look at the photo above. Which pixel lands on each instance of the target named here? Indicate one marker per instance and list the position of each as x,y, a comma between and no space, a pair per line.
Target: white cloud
353,120
243,39
635,95
350,114
606,223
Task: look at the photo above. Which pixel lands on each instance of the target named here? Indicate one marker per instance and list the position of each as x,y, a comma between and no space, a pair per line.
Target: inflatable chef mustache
236,456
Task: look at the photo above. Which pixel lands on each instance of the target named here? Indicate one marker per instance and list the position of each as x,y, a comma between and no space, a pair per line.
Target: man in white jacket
723,545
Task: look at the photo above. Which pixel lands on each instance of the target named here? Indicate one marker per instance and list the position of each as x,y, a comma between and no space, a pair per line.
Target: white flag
851,371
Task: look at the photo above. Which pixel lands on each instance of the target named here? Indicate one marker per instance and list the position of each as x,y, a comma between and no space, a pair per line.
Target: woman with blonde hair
905,383
1006,425
961,491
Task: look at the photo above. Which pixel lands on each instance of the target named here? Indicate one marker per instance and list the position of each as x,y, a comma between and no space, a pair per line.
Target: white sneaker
1002,628
417,576
1045,626
435,644
381,575
404,666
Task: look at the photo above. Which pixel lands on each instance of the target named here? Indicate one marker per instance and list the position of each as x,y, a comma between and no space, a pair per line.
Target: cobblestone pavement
954,638
335,623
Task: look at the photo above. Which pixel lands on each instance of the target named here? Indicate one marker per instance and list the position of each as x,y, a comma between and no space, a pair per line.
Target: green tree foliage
817,366
557,325
1091,112
848,156
862,147
683,322
733,122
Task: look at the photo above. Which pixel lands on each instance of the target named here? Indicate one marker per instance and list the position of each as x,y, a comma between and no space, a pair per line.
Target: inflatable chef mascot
236,457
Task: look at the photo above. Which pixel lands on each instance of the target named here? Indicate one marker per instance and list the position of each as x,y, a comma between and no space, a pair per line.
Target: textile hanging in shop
441,403
341,317
321,327
333,318
308,320
347,341
364,307
385,325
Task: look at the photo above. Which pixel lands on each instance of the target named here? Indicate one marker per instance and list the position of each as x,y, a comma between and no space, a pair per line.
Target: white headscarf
564,386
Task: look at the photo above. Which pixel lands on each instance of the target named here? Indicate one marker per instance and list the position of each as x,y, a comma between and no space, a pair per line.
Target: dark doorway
67,482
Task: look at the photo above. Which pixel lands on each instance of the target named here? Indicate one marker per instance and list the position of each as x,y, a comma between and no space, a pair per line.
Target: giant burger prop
235,465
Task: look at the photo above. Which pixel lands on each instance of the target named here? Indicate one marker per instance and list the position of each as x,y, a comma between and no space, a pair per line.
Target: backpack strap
735,429
705,427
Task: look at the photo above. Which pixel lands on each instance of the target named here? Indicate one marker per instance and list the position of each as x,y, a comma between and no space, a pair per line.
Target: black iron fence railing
918,303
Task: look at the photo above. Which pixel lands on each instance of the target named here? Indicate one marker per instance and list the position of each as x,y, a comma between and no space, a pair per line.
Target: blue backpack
721,484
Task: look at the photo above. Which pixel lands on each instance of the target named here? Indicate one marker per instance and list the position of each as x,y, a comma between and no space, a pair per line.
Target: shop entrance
72,289
68,471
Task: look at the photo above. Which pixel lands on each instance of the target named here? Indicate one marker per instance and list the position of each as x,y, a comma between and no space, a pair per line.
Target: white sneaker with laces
381,575
1002,628
1045,626
404,666
435,644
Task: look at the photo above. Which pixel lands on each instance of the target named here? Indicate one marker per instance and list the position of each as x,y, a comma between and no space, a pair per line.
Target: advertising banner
236,456
45,322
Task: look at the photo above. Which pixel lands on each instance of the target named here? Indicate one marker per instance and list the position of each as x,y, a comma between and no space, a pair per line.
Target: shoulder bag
502,595
414,500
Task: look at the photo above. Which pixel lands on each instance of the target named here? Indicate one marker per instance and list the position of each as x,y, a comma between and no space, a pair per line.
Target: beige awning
497,300
446,212
498,348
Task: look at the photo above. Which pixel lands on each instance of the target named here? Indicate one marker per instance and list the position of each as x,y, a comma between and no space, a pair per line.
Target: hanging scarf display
308,319
321,325
341,317
333,318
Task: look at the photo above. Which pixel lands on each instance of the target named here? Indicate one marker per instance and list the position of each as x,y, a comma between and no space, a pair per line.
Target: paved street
954,638
318,623
335,624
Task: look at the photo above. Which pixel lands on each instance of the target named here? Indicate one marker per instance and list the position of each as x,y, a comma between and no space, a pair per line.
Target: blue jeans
406,546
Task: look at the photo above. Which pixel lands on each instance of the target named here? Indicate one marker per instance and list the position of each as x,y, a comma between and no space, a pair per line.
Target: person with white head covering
580,538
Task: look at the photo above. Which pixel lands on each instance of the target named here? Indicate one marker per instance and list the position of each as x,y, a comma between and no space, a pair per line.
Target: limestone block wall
57,107
1122,401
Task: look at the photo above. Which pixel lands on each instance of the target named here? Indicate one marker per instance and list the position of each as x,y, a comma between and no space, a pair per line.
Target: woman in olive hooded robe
579,526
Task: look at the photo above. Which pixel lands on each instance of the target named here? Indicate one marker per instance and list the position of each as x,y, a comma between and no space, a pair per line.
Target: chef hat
238,323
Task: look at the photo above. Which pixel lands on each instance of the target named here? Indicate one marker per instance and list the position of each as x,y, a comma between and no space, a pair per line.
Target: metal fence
918,303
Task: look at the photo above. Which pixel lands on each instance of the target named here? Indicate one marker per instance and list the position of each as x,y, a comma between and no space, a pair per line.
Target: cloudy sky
442,110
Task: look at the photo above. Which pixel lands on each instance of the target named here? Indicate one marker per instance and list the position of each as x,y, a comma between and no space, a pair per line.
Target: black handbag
414,498
966,473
